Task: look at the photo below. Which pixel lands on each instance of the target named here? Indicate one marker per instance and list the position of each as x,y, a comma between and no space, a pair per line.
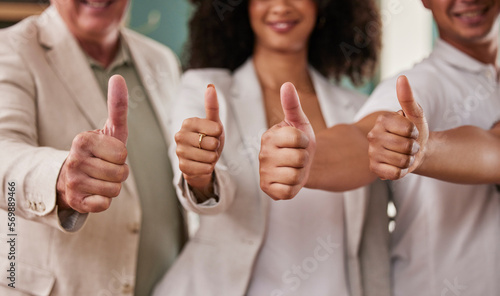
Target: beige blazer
220,257
48,94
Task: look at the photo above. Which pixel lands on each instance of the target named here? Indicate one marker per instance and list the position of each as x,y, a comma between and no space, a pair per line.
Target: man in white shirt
446,238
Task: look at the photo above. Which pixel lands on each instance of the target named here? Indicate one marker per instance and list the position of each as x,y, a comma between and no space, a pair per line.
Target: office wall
162,20
407,35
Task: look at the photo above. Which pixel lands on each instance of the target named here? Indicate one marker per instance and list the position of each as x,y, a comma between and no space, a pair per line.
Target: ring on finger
201,135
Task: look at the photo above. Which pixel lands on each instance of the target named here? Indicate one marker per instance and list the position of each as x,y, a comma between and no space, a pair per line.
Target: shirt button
127,288
32,205
41,206
134,227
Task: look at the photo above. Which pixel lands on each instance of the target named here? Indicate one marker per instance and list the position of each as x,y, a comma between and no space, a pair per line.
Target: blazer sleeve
28,172
190,103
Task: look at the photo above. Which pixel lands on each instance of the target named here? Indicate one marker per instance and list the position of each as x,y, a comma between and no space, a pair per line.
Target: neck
484,51
102,50
275,68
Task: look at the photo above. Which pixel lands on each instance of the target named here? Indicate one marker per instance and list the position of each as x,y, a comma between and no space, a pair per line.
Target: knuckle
409,128
395,174
189,123
264,185
183,166
180,150
212,157
266,137
382,119
371,136
372,151
218,129
178,137
408,146
295,177
122,154
288,192
72,182
73,201
208,169
115,190
73,162
80,141
405,161
123,173
301,158
212,143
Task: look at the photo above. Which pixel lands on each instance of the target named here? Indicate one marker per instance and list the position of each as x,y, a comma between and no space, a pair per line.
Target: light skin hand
398,140
197,165
287,150
92,174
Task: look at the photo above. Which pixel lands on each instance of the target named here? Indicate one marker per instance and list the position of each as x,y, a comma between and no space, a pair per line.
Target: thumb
211,104
290,103
116,125
411,108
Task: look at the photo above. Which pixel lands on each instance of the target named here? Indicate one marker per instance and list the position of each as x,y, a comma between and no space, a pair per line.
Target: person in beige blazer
323,243
51,92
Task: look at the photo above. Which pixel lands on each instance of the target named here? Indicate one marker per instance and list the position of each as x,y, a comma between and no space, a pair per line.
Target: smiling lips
96,4
472,16
282,26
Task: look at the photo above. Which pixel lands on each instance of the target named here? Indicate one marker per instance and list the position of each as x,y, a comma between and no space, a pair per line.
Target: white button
41,206
134,227
127,288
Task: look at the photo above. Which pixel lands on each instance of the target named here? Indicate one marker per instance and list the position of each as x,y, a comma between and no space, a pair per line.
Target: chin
98,27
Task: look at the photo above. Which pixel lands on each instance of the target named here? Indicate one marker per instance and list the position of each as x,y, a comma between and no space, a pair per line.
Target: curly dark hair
346,39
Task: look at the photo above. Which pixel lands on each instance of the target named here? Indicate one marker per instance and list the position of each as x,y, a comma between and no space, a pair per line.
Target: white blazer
49,94
220,257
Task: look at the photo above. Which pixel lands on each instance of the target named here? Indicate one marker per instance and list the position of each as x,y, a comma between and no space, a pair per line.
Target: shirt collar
122,58
458,59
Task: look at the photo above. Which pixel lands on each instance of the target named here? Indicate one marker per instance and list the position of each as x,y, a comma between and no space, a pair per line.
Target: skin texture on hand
95,167
198,164
287,149
398,139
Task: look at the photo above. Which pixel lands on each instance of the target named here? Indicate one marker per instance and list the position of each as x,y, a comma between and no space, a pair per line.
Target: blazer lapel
153,80
248,108
70,65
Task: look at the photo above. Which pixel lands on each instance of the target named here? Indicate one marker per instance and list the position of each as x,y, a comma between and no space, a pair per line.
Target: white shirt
447,236
303,253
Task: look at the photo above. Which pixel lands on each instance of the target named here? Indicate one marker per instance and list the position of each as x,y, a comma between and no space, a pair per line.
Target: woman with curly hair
246,243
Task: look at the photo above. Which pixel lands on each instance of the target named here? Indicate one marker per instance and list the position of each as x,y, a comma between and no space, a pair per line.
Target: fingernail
414,132
412,160
210,85
415,148
403,173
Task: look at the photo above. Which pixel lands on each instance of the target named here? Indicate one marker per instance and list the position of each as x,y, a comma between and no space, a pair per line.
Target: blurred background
408,30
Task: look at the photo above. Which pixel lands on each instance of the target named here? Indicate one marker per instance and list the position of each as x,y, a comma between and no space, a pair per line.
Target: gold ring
200,138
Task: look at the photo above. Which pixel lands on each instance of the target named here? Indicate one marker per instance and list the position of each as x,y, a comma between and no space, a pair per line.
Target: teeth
282,25
471,14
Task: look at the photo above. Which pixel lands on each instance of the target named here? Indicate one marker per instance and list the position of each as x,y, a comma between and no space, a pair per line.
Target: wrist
202,193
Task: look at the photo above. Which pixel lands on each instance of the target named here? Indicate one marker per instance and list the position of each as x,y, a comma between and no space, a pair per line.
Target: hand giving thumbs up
287,149
398,139
199,145
95,167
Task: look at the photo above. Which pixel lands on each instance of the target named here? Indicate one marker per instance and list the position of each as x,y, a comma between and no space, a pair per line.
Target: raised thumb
290,103
116,125
410,107
211,104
